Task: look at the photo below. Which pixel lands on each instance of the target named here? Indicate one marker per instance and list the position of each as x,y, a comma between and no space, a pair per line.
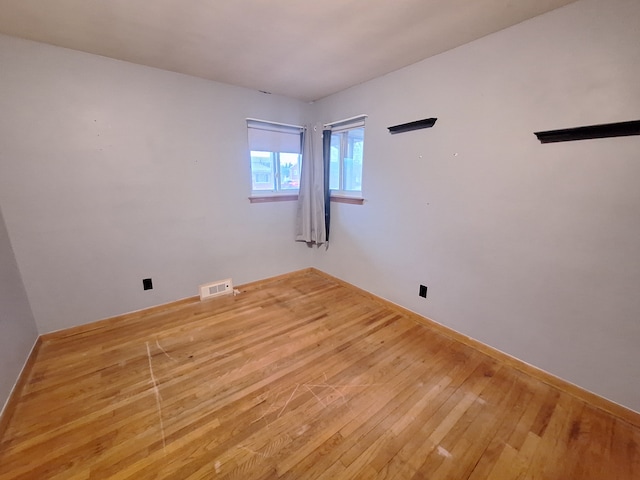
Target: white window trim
358,120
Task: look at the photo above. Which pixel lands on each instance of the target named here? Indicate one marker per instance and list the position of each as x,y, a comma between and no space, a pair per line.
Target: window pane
353,160
276,156
334,162
262,171
289,171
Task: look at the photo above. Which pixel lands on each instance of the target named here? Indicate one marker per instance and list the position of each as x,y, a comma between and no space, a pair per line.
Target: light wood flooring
300,377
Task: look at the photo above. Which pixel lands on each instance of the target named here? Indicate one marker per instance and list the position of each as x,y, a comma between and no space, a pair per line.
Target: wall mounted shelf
417,125
619,129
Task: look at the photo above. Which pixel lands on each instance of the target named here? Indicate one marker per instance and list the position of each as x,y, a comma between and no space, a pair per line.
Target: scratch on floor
268,410
443,452
290,397
265,412
164,351
254,452
223,355
337,388
344,400
302,430
157,395
314,394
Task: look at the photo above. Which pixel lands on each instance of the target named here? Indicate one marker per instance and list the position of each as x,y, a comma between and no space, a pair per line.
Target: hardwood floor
300,377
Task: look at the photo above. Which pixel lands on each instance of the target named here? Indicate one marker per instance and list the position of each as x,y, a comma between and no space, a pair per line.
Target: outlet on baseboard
423,291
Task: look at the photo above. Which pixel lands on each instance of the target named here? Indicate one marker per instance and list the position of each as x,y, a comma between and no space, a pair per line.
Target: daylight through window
276,156
347,149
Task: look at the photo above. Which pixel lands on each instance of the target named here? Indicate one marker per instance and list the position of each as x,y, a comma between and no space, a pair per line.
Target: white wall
530,248
112,172
17,327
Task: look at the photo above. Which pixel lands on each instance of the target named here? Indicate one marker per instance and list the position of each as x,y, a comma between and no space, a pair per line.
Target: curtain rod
276,123
344,120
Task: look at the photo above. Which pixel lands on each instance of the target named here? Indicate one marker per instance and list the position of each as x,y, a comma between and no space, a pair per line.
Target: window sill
346,199
273,198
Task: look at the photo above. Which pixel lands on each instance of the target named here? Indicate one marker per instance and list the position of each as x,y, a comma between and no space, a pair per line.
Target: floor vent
216,289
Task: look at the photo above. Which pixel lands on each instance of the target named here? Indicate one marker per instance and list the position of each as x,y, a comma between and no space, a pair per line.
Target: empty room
345,239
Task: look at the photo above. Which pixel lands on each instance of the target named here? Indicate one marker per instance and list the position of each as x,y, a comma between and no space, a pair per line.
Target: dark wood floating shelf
620,129
417,125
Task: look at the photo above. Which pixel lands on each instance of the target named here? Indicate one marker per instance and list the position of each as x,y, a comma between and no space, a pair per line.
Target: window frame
277,193
342,128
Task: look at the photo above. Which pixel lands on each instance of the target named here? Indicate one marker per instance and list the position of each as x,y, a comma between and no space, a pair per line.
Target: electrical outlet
423,291
147,284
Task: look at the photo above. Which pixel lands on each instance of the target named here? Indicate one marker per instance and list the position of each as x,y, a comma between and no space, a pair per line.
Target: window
347,149
276,157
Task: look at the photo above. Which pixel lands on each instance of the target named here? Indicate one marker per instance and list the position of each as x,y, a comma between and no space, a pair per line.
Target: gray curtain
312,207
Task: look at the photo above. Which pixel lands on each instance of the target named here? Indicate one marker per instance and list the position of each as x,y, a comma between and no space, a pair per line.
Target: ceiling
299,48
